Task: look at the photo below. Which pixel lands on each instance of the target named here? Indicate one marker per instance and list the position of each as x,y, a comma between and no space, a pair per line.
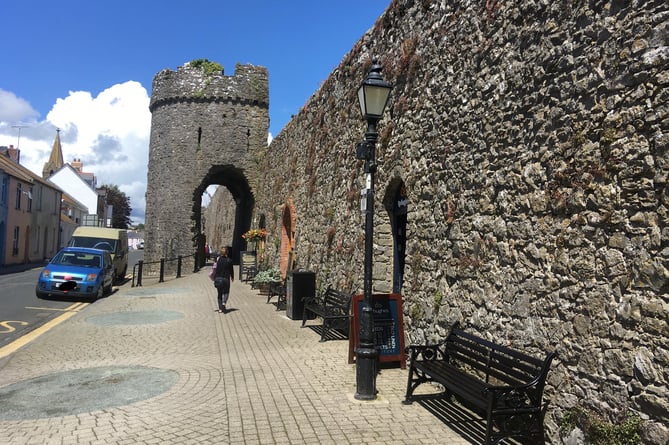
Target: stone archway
396,204
233,179
206,128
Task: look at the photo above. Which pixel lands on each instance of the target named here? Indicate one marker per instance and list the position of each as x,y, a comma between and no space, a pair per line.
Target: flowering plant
255,235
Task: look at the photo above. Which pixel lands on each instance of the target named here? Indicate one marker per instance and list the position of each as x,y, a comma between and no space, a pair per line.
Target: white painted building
69,180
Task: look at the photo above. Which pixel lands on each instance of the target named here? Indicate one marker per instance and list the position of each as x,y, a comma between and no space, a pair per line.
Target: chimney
12,153
77,165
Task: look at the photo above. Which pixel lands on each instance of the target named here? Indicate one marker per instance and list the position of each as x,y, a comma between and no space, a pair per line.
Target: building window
3,191
19,192
30,199
40,190
15,242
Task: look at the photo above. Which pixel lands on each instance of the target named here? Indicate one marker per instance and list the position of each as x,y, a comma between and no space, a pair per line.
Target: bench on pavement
503,384
277,289
333,306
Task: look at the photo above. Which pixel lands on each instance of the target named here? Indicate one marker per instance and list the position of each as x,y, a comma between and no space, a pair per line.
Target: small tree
120,206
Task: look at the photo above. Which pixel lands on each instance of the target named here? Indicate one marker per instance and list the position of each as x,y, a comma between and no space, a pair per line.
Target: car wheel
99,294
41,294
108,289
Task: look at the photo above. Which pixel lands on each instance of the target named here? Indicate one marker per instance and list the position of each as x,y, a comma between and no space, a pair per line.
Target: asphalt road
22,314
20,310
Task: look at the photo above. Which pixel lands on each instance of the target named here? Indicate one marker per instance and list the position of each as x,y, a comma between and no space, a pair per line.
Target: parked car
77,272
140,245
113,240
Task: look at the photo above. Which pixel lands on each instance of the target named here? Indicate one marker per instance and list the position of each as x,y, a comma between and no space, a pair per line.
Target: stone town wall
533,141
219,219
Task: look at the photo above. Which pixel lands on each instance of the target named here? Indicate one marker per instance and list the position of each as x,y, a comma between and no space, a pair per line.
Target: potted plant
264,279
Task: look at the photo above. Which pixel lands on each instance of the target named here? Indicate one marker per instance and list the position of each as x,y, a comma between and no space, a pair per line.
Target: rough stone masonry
532,139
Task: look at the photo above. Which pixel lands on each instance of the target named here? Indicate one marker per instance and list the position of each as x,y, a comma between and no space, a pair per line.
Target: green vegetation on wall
600,432
208,67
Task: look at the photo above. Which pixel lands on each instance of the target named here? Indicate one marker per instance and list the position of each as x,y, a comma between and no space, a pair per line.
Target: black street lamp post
373,96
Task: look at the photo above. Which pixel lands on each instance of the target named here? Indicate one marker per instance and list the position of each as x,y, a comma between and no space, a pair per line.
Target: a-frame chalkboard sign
388,327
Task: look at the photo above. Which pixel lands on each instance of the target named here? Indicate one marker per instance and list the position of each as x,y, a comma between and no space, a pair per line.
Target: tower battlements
249,85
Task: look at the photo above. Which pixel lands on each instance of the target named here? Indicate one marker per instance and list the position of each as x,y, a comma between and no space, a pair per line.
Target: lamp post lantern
373,96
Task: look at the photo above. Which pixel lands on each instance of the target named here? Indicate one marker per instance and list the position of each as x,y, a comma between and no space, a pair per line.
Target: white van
113,240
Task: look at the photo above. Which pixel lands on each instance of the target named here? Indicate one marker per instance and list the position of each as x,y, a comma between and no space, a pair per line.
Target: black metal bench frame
247,272
504,384
278,290
332,306
248,266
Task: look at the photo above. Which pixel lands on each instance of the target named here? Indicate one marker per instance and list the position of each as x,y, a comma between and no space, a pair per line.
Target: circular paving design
82,390
134,318
148,291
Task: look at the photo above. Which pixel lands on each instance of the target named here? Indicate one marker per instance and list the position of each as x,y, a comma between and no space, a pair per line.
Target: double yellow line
32,335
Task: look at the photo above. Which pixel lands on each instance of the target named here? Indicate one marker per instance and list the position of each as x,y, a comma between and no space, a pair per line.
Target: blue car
77,272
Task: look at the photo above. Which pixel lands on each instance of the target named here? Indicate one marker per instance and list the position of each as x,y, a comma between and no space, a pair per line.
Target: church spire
55,161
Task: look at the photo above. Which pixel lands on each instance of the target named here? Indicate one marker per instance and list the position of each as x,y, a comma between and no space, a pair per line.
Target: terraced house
29,213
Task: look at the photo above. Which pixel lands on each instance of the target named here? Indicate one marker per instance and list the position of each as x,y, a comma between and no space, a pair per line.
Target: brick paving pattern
251,376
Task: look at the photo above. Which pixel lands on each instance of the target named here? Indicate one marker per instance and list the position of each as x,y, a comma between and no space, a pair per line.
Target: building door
2,243
45,243
287,239
398,222
26,248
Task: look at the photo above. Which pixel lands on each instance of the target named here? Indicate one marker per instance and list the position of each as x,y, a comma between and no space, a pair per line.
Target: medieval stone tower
205,129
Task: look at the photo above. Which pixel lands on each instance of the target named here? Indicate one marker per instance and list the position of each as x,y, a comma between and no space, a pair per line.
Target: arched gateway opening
396,203
218,223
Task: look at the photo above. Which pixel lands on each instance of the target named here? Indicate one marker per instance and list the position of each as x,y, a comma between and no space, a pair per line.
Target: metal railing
138,268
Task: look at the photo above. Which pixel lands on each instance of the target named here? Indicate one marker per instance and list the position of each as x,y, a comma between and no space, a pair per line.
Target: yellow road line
32,335
75,307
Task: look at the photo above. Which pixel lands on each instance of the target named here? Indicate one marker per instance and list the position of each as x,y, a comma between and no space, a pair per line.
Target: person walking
225,274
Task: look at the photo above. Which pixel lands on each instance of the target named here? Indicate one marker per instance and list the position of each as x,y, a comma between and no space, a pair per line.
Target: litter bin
299,285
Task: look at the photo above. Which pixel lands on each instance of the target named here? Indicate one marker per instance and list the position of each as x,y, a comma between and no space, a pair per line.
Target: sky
86,67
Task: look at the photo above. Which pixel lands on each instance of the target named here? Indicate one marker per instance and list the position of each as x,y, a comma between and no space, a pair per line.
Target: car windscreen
96,243
77,259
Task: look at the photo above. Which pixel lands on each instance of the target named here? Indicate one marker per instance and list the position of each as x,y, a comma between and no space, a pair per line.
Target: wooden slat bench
503,384
333,306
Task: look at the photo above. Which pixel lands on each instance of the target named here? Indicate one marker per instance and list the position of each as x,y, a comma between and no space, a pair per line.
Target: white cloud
14,109
109,133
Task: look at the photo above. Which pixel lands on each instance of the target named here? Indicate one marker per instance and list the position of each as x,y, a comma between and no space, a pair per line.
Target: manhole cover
133,318
82,390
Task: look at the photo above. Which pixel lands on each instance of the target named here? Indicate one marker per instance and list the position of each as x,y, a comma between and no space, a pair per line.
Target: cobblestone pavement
251,376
